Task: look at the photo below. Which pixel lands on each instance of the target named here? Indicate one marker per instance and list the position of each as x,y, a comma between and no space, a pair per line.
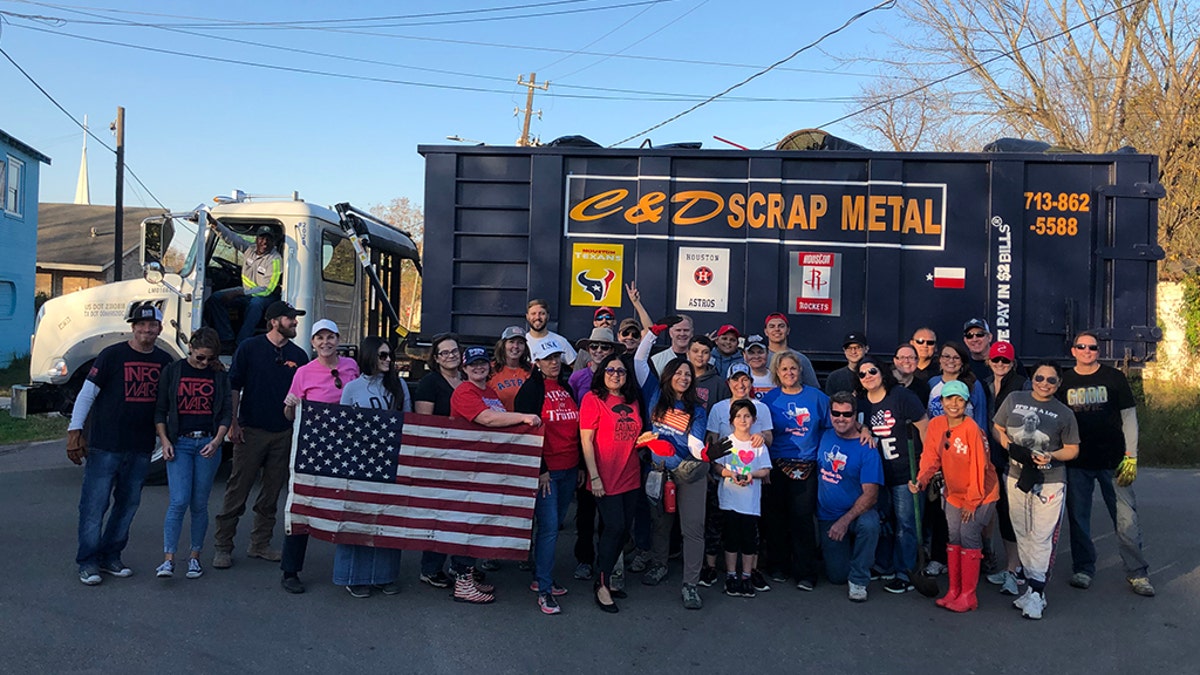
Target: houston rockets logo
816,280
703,276
597,288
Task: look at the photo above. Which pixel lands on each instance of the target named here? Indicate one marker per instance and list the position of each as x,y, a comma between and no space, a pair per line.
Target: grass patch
1169,423
36,428
17,372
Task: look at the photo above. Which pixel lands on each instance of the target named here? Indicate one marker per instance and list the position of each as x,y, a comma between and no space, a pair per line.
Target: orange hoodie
962,455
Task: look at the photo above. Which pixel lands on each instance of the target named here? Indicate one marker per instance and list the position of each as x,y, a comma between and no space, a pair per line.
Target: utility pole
532,84
119,218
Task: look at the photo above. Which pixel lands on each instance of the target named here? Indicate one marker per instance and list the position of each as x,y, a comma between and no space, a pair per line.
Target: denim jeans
365,565
850,559
254,306
108,475
189,482
897,550
1122,509
549,512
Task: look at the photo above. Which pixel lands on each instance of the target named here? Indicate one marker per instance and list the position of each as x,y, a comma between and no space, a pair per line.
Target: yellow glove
1127,471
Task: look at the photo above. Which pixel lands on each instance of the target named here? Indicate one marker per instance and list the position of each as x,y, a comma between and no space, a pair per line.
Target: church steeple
83,194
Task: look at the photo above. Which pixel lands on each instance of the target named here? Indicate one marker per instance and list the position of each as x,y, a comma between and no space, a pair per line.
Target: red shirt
560,417
468,401
617,425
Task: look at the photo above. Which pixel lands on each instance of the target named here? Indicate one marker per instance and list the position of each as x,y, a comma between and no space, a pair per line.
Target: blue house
19,167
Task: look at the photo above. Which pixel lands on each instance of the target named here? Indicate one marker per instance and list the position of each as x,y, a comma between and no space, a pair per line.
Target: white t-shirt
762,384
744,459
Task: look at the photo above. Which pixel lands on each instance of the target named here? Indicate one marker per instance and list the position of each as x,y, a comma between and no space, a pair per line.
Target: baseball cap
853,338
737,369
325,324
280,308
145,313
755,341
512,332
956,388
265,231
603,310
976,323
545,348
626,324
1002,350
728,328
474,355
776,315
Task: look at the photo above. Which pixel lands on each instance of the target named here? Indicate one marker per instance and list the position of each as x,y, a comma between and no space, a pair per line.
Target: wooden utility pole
119,217
532,84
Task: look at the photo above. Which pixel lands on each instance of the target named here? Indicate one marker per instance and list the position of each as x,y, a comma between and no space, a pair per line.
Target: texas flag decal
948,277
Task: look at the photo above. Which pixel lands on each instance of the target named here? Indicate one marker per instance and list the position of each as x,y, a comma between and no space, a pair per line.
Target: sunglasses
923,341
599,346
385,356
279,356
604,317
1089,348
615,371
946,441
839,413
1001,360
975,335
869,372
1044,378
337,379
445,353
631,333
200,358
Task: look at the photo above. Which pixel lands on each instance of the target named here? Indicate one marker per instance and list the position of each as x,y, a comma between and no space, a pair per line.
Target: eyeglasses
279,356
923,341
1001,361
1049,379
974,335
840,413
385,356
869,372
904,358
1089,348
615,371
200,358
599,346
951,357
337,379
446,353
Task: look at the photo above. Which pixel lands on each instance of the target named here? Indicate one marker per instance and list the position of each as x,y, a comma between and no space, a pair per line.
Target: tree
401,212
404,214
1090,75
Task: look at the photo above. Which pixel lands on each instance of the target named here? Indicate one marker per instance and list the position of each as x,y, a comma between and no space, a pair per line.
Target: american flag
418,482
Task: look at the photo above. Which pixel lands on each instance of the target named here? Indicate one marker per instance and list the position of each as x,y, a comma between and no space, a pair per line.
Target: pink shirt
315,382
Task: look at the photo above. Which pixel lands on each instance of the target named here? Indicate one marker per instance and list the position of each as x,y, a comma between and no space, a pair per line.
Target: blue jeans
254,306
108,475
549,512
365,565
1122,509
189,482
897,550
850,559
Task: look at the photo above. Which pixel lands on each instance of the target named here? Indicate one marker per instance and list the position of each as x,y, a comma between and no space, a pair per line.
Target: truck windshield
172,243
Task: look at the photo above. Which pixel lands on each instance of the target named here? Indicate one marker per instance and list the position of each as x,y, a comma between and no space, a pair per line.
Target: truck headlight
59,369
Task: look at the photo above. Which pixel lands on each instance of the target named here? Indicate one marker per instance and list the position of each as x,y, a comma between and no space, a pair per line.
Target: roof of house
78,237
16,143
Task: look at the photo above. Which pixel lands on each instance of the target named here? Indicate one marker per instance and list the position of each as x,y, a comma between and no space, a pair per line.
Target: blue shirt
674,427
843,466
798,420
263,373
976,407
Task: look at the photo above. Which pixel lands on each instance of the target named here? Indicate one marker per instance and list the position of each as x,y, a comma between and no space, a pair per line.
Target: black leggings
792,539
741,532
616,515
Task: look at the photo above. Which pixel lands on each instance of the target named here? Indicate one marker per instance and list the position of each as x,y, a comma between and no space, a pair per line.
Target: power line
76,123
886,4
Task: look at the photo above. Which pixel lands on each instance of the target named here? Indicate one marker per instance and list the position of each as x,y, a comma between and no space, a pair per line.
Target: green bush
1169,423
1190,312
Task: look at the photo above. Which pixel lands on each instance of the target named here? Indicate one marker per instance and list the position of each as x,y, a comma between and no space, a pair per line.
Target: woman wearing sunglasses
957,447
364,568
192,416
889,413
1040,434
320,380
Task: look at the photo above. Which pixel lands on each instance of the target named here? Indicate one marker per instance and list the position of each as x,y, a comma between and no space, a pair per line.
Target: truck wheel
70,390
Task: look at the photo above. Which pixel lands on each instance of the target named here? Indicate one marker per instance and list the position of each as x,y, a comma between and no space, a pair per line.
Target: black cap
145,313
280,308
976,323
265,231
854,338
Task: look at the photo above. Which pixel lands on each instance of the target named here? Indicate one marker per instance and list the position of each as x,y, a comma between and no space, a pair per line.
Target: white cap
545,348
325,324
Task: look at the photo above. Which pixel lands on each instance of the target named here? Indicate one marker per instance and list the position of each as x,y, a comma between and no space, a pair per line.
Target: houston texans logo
597,288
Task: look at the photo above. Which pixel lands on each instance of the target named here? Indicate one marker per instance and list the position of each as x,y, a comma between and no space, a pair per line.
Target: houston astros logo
597,288
703,276
815,280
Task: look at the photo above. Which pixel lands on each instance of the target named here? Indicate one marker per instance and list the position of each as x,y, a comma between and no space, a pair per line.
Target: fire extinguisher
669,496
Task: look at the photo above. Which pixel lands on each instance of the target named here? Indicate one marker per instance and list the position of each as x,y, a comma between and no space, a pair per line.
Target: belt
196,434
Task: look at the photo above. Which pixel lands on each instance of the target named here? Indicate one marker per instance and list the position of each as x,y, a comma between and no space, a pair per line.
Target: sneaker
359,591
480,579
525,565
655,575
166,570
1142,586
898,585
583,571
806,585
758,582
548,604
390,588
195,571
857,593
934,568
1034,605
465,590
708,576
1022,601
292,584
1011,585
691,597
747,588
89,576
877,575
778,576
555,589
1081,580
116,568
264,553
223,560
640,562
733,586
488,565
438,579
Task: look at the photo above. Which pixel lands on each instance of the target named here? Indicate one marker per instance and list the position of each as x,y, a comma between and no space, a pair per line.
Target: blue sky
197,128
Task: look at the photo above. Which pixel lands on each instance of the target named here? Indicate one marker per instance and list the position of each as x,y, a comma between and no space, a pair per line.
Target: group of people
723,448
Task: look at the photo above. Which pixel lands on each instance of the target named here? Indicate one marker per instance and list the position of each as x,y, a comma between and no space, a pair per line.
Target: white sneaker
857,593
1011,585
1019,603
1034,605
934,568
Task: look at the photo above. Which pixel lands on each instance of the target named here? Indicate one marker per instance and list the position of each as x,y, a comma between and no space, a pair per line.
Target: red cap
776,315
728,328
1002,350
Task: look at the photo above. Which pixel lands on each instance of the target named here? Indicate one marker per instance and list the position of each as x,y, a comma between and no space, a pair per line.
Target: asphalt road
240,619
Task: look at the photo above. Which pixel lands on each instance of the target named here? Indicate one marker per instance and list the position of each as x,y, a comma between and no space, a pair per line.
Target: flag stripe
409,464
432,431
950,272
939,282
384,523
454,543
445,499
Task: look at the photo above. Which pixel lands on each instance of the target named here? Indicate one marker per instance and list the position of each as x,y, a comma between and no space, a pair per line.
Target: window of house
12,186
8,299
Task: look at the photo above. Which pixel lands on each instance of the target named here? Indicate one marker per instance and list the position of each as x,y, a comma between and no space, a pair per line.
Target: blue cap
955,388
738,368
474,355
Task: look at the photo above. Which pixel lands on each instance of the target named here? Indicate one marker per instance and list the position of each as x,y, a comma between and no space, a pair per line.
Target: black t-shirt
263,373
196,397
889,422
842,379
1097,401
123,413
918,387
434,388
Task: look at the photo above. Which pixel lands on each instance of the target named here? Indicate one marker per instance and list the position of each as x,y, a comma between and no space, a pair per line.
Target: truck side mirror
152,272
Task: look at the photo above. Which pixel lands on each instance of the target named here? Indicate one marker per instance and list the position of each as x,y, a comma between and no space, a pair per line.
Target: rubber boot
969,569
954,568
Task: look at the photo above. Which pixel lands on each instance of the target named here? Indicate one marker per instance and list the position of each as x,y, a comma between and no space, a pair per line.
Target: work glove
1127,471
658,329
76,446
661,448
1020,454
717,450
